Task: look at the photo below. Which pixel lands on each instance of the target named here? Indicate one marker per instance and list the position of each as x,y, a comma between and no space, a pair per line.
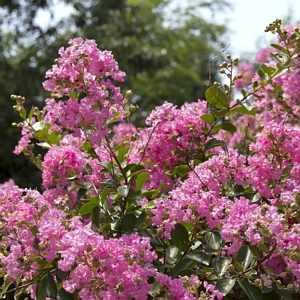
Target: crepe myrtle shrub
203,203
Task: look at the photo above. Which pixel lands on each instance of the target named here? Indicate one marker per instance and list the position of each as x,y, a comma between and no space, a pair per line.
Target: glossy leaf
244,256
225,285
199,256
248,103
179,236
216,97
39,126
44,145
252,292
62,275
180,266
221,264
123,190
213,240
171,254
96,216
49,286
64,295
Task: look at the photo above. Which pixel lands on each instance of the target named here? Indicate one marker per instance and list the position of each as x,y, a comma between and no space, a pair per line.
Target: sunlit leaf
216,97
225,285
208,118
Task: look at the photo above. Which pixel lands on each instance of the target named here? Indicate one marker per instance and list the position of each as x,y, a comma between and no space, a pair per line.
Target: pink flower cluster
173,136
83,71
199,196
32,229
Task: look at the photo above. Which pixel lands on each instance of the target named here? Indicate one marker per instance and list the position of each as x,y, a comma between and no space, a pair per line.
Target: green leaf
18,293
39,126
286,295
132,166
212,144
187,272
136,170
107,181
268,70
226,126
208,118
219,113
220,265
280,48
244,110
254,250
122,151
44,145
155,289
244,256
263,247
123,190
96,216
263,75
280,70
181,265
141,179
104,200
141,219
73,94
52,137
22,113
87,208
172,253
62,275
225,285
200,257
49,286
248,103
216,97
213,240
63,295
130,221
281,57
180,236
252,292
30,114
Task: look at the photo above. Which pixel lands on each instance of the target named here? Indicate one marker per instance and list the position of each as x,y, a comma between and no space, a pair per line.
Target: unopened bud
128,94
